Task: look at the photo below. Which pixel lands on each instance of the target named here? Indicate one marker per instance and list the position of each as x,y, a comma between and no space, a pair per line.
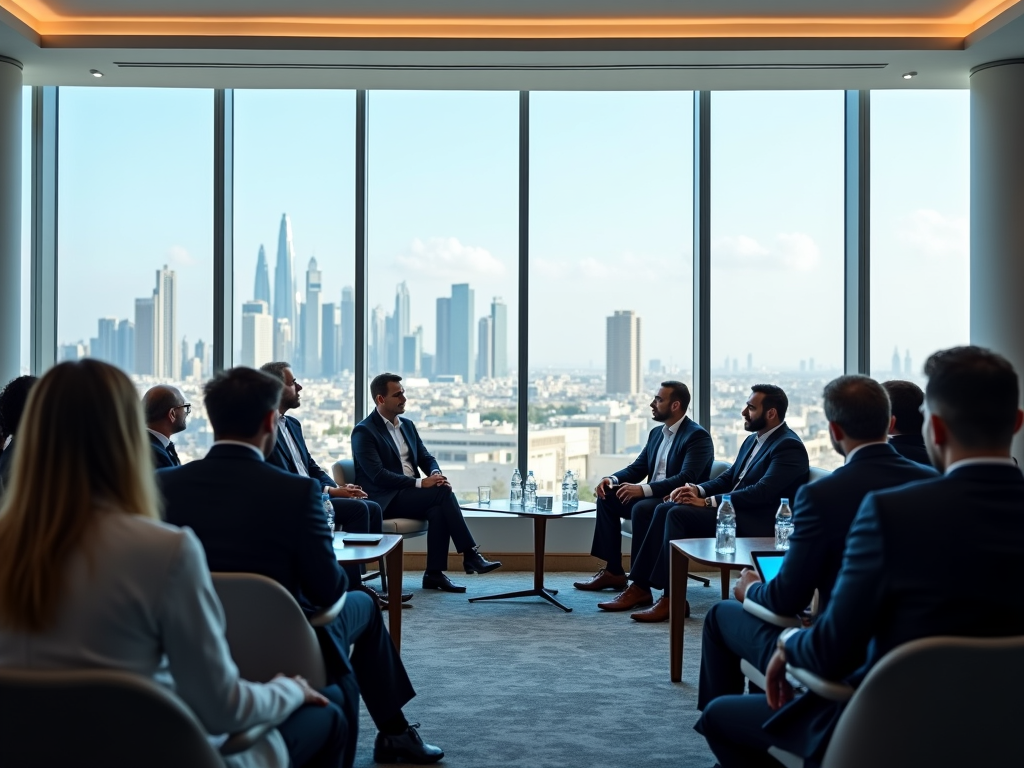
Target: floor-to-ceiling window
135,237
26,226
777,258
610,273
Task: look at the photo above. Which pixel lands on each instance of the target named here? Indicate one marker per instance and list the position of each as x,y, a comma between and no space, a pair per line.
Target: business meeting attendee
166,415
91,579
251,517
893,586
353,511
771,464
389,456
679,452
905,430
857,410
12,405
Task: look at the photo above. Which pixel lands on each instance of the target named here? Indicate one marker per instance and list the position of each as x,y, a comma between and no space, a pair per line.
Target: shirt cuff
714,502
614,479
700,492
647,490
419,482
786,634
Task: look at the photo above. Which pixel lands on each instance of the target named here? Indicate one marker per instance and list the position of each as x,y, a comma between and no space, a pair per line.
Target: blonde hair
81,450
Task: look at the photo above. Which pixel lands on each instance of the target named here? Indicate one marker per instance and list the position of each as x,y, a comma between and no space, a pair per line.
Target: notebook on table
361,538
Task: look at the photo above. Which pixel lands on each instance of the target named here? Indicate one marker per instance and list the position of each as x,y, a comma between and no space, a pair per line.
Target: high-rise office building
203,355
499,338
186,359
378,352
311,319
412,351
284,276
442,356
462,327
261,291
896,364
257,334
126,345
284,341
166,361
348,329
145,325
623,353
908,364
330,338
401,325
104,346
484,352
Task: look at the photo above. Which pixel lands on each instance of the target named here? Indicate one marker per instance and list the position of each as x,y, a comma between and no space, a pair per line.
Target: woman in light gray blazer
90,578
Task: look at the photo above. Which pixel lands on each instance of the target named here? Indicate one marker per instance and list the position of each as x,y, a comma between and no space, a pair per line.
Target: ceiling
510,44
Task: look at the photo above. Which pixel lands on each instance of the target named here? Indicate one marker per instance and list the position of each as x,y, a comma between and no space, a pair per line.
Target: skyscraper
261,292
104,346
412,348
442,354
284,277
126,345
348,329
378,362
896,366
330,348
499,338
484,356
284,341
908,364
145,322
203,355
311,336
401,324
462,326
623,353
257,334
166,362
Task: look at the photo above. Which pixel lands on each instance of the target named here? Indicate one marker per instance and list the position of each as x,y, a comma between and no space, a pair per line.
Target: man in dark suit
389,456
857,410
905,430
772,464
13,398
166,415
353,511
253,518
893,586
679,452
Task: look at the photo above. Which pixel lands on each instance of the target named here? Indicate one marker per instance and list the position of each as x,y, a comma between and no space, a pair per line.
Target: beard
659,416
756,425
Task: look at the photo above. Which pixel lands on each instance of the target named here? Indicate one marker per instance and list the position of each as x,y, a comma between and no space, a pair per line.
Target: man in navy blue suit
905,430
893,586
166,415
389,456
857,410
679,452
253,518
772,464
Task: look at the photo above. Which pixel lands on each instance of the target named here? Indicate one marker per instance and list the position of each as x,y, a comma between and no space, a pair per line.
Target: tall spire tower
284,275
262,290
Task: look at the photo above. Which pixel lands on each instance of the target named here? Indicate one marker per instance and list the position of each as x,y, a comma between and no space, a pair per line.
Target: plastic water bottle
725,533
783,525
575,489
515,495
530,492
325,498
567,489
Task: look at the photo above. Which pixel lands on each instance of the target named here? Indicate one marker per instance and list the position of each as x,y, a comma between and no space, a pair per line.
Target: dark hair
774,397
237,400
679,391
275,369
976,393
157,402
12,403
859,405
379,385
906,398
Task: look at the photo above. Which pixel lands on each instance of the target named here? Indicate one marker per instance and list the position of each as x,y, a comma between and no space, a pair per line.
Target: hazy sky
611,208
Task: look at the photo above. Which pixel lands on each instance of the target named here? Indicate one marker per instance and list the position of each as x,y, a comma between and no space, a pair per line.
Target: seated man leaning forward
680,452
893,586
772,464
253,518
389,456
857,410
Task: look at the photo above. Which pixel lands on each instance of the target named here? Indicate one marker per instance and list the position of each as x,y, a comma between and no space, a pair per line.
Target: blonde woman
90,577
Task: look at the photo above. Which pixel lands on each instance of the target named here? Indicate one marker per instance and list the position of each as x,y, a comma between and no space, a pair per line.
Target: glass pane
611,190
777,258
135,237
443,273
294,251
26,225
920,207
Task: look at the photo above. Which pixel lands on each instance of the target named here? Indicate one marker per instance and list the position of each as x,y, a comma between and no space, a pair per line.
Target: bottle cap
727,497
785,501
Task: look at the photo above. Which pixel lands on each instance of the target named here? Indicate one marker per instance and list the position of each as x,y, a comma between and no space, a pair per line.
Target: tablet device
768,563
362,538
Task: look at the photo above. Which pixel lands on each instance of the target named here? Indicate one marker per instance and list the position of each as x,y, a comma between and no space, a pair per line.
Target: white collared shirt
164,439
293,449
851,454
660,469
250,446
395,430
761,440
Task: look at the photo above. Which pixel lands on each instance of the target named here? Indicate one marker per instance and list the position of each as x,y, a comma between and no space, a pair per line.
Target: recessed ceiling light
97,73
909,75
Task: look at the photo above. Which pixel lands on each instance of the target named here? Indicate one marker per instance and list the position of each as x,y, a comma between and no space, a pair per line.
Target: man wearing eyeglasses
166,414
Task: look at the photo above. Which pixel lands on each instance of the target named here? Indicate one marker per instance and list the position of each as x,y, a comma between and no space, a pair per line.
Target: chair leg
383,576
701,579
725,582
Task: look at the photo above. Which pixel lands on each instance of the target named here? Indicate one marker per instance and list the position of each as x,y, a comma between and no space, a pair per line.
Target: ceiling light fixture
97,73
909,75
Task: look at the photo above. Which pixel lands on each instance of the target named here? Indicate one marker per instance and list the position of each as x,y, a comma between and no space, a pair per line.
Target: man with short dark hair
166,414
892,587
13,398
253,518
857,410
679,452
389,456
772,464
905,430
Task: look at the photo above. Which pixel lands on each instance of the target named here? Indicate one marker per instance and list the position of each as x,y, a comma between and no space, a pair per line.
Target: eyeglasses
186,406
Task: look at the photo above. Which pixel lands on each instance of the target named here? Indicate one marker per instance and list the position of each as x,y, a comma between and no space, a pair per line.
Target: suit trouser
731,634
675,521
732,726
607,544
356,516
316,736
439,507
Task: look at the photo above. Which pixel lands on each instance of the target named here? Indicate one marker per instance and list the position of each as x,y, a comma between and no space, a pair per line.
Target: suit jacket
378,464
777,471
281,457
895,584
822,514
911,446
689,459
162,458
6,462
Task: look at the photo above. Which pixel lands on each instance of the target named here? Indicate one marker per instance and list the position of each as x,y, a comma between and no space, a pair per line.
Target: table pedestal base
547,594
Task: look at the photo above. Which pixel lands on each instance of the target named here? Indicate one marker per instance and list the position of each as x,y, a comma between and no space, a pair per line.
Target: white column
997,213
10,219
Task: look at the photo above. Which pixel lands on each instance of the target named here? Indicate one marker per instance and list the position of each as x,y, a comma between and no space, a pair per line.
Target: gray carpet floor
521,683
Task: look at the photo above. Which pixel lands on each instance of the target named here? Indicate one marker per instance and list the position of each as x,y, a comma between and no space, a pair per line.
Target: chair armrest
243,740
759,611
825,688
325,616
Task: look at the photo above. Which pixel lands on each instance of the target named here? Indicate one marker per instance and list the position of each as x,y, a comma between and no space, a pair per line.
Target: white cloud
178,256
448,259
931,235
798,250
794,251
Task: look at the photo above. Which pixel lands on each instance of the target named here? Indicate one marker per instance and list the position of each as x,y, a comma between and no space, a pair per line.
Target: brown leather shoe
602,580
633,596
657,612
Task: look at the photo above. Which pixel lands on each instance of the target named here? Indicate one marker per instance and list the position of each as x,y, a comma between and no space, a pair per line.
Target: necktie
174,454
746,465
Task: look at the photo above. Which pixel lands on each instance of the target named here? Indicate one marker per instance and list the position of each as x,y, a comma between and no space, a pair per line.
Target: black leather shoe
407,747
477,563
441,582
